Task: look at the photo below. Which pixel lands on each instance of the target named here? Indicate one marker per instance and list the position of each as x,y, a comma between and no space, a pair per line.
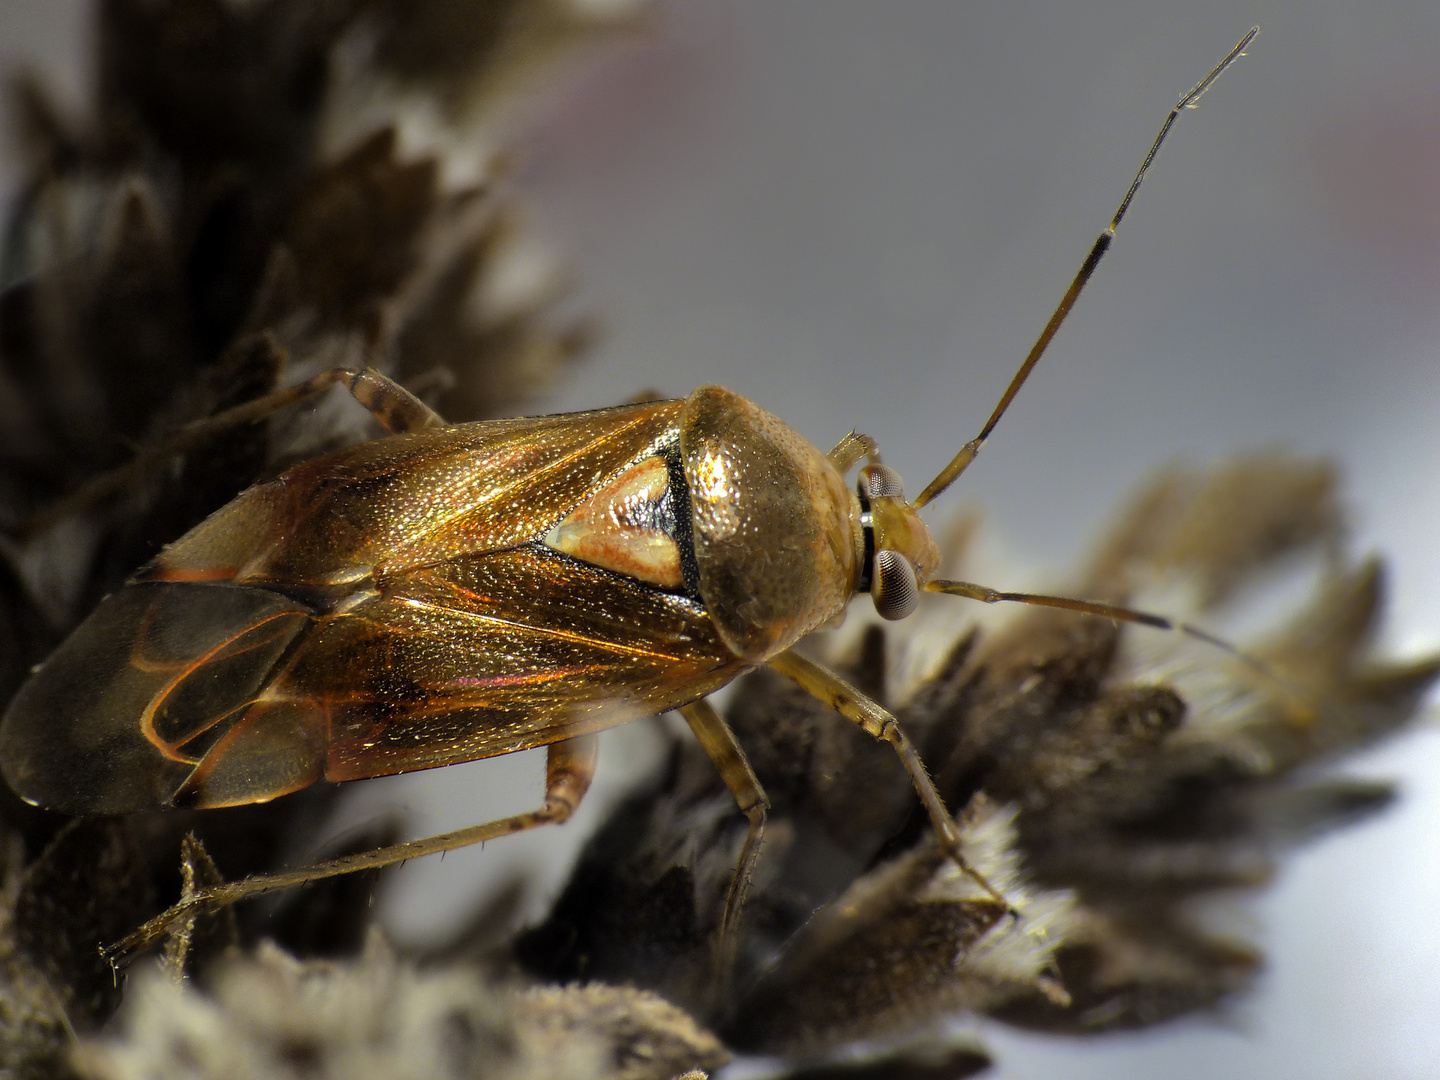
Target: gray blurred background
859,214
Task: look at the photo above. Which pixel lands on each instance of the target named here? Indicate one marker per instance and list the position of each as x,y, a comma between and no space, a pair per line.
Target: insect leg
828,687
850,450
569,768
719,742
394,407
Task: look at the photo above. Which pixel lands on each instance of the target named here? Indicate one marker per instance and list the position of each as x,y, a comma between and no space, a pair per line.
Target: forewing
416,499
118,717
494,653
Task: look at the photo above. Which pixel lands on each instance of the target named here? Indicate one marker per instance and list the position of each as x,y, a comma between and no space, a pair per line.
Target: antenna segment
968,452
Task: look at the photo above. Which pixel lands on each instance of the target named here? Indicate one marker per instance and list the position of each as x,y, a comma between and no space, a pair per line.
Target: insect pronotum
458,592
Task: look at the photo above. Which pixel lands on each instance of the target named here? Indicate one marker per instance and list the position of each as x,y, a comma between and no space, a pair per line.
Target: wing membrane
116,719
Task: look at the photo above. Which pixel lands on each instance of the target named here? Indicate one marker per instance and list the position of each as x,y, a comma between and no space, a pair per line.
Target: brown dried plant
267,189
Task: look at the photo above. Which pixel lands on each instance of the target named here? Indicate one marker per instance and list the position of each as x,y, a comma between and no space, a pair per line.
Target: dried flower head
1113,780
268,1015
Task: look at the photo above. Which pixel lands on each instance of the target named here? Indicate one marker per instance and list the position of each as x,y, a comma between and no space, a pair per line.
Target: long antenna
1303,708
968,452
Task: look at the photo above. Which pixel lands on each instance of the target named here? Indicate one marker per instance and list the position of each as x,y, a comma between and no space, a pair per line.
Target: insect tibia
878,722
851,450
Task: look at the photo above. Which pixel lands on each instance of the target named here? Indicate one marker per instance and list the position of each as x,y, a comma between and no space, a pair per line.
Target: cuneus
457,592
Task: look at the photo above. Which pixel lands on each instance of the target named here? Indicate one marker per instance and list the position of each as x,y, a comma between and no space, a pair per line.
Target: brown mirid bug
458,592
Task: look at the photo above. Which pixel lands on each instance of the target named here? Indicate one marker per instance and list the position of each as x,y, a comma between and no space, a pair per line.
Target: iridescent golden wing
496,653
386,608
415,499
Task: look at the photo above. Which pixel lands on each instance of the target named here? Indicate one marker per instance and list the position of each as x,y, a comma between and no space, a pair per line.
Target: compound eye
893,586
876,481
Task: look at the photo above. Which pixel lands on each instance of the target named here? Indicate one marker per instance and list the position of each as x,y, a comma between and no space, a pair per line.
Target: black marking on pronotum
684,534
867,527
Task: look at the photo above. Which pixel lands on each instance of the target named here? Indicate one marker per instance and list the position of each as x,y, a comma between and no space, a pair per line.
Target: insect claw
116,953
194,905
